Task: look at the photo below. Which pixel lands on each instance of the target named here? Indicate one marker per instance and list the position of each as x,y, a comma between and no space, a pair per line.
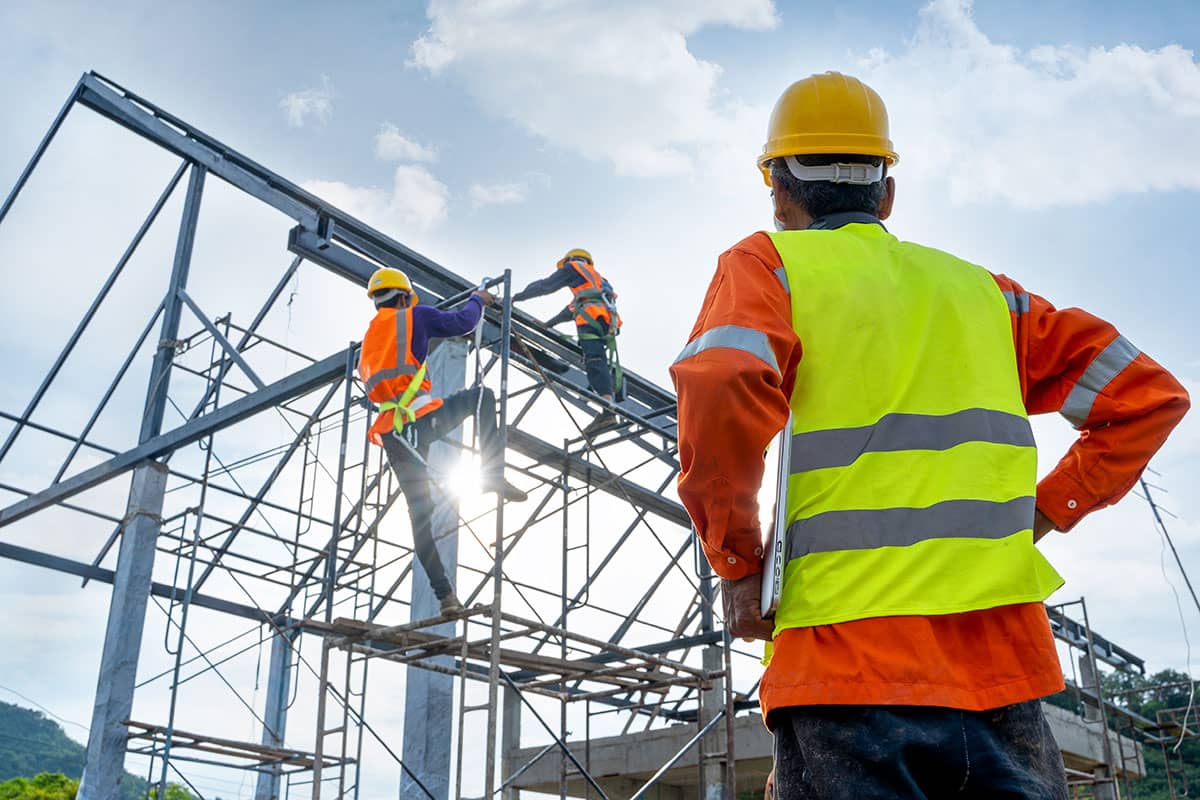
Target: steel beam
278,469
81,569
92,309
226,345
295,385
323,229
40,151
620,487
316,216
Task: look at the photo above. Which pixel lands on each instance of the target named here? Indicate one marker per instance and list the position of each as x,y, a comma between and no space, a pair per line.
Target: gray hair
820,198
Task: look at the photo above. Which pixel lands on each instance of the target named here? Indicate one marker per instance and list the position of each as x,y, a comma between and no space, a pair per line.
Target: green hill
31,743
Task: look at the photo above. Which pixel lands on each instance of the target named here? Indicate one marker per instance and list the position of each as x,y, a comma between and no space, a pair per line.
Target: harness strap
402,405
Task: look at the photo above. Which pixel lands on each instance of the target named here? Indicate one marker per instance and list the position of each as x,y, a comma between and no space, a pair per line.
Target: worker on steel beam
910,641
392,366
594,309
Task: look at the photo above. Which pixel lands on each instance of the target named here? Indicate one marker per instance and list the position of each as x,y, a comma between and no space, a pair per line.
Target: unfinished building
217,475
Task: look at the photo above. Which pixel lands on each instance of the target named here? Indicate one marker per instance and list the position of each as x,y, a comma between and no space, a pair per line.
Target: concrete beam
637,756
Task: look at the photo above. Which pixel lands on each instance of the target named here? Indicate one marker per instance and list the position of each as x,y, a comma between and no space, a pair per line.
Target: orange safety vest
589,303
388,368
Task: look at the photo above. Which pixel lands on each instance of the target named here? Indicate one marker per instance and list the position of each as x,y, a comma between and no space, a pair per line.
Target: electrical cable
43,708
1165,537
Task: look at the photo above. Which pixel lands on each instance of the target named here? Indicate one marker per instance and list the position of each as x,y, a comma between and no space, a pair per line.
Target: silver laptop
774,560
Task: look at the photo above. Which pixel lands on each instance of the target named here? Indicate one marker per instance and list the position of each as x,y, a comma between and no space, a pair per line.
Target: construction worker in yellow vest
910,641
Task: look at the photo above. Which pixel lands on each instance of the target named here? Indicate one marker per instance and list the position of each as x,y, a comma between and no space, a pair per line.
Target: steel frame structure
205,535
300,557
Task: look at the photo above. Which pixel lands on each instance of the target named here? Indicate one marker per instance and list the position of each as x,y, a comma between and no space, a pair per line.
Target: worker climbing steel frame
646,669
654,668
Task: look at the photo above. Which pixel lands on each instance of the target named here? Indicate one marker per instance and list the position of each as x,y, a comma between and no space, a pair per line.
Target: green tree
1136,693
43,786
30,743
174,792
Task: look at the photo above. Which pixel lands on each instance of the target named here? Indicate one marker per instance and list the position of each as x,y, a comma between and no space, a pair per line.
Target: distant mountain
31,743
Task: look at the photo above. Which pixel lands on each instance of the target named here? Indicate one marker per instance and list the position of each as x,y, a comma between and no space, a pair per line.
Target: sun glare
463,479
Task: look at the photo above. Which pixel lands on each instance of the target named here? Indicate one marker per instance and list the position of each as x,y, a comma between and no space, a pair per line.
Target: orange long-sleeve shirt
731,405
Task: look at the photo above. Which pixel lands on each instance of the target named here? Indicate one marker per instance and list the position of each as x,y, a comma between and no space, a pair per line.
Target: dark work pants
414,477
595,363
916,753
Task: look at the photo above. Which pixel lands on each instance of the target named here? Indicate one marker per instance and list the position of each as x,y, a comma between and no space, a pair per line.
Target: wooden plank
248,750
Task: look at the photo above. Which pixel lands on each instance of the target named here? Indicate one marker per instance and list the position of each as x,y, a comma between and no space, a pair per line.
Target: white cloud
635,95
392,145
416,199
498,194
1050,126
315,104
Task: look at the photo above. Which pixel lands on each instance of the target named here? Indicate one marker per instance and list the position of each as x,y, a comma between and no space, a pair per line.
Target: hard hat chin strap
856,174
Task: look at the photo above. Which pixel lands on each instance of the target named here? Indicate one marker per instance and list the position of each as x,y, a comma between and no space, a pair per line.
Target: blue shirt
433,323
561,278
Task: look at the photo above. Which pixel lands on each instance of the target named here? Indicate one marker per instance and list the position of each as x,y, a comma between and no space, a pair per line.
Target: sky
1053,142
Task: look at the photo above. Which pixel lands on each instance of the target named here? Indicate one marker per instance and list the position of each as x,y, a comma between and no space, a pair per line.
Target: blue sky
1054,142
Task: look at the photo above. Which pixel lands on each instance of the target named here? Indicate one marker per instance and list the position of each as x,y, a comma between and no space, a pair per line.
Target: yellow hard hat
827,113
577,252
386,278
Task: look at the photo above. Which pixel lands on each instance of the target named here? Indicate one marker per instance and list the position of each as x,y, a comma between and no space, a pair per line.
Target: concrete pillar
713,702
105,764
279,673
1087,682
1105,788
510,740
429,696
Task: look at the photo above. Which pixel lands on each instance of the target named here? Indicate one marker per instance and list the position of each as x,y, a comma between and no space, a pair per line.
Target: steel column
429,695
279,674
105,765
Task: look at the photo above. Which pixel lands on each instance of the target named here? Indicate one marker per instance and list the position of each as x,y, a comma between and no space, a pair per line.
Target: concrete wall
621,764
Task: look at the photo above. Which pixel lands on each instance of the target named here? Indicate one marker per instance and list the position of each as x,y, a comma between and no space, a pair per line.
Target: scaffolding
591,607
615,617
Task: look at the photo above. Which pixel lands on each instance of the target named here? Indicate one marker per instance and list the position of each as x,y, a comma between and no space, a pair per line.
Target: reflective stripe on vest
402,386
840,447
403,353
913,464
588,300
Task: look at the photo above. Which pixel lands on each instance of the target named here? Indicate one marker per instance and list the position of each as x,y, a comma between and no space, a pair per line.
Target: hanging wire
1165,537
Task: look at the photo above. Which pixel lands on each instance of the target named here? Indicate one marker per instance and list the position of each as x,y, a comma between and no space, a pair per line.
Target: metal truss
592,595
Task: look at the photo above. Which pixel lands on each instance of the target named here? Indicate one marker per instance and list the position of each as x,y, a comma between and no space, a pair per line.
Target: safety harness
403,405
599,292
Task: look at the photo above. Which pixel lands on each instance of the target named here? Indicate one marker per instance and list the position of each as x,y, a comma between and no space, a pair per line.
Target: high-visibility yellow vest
913,467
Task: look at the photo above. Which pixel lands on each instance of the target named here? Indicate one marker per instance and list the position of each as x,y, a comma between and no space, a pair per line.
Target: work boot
450,605
603,421
506,490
